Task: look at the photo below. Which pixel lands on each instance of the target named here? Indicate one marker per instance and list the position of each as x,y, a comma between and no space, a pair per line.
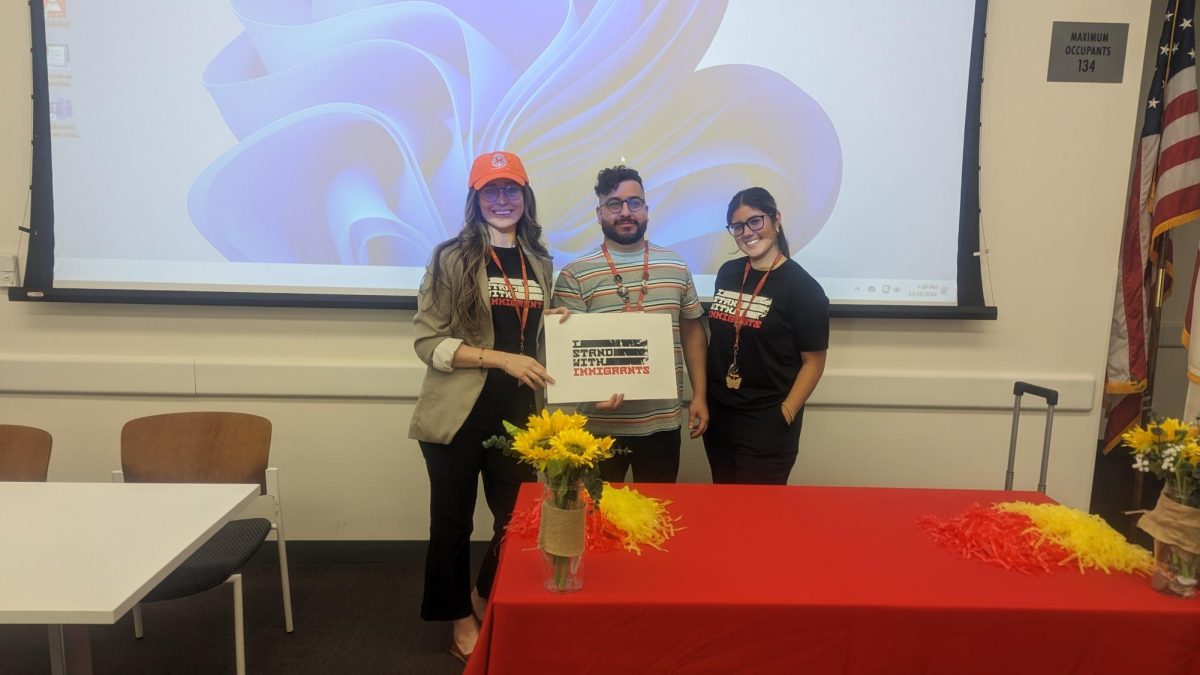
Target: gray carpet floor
356,613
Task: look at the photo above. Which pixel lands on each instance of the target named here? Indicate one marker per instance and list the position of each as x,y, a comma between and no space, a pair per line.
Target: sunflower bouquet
559,446
1170,449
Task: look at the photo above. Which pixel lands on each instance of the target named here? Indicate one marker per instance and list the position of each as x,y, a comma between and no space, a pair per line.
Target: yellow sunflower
1139,439
1190,452
1172,429
579,448
546,424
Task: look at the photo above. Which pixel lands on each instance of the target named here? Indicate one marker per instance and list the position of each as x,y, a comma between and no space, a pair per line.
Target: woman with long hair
478,329
770,332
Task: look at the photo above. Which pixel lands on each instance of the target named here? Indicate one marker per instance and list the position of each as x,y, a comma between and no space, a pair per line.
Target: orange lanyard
522,307
739,317
621,291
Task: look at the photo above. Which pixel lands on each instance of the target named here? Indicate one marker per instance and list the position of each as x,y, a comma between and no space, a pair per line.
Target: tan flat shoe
458,653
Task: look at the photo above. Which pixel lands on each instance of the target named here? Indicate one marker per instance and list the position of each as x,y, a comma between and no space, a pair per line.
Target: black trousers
654,458
454,471
751,447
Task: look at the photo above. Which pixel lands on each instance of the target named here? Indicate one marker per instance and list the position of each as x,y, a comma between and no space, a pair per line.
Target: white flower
1167,464
1140,464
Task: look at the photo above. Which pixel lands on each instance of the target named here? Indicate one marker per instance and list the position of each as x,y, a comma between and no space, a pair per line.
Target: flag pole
1160,283
1161,246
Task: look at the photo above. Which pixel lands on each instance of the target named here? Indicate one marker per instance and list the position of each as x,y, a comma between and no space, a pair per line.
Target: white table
86,553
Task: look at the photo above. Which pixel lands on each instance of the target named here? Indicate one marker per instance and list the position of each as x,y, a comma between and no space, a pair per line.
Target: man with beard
629,274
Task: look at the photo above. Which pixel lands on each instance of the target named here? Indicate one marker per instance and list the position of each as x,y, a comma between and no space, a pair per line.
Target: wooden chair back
24,453
196,447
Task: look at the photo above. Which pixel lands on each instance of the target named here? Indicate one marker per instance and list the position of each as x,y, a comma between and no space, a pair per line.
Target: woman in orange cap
478,329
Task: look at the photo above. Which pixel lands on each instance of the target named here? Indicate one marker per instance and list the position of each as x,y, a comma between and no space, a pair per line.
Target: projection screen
319,149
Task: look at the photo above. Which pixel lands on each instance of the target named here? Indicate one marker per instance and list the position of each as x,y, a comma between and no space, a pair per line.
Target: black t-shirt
502,398
790,315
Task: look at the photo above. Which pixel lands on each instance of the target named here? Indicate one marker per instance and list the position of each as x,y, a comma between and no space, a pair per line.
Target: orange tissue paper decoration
1036,538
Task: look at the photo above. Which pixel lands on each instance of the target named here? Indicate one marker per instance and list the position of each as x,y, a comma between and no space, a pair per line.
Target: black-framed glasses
755,224
491,193
634,203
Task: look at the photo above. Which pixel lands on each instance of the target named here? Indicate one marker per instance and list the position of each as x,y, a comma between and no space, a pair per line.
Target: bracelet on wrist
481,350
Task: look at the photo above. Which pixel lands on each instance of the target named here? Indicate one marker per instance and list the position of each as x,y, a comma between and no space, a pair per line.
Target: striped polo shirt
587,285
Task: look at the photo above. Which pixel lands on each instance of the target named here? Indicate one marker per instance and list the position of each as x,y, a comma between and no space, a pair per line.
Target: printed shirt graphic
505,307
500,297
752,311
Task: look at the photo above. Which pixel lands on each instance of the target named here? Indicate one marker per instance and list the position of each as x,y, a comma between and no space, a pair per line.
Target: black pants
654,458
751,447
454,471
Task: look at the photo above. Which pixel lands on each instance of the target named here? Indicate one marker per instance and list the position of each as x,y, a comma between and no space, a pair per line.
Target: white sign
593,356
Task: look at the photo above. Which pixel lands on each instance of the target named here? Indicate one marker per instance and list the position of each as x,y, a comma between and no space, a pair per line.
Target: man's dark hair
608,179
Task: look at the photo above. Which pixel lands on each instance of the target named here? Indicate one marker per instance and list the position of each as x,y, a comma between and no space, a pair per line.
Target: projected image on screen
324,146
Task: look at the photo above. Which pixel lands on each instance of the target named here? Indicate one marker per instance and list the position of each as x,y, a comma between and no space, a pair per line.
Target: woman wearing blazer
478,330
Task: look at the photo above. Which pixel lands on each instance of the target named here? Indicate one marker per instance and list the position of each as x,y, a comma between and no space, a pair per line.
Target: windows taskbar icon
55,9
61,110
58,57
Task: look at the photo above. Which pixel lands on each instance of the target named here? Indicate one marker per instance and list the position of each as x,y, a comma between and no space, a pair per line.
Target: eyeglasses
755,224
634,203
491,193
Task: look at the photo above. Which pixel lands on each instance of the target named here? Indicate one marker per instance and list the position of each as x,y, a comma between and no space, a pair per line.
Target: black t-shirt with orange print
501,392
790,315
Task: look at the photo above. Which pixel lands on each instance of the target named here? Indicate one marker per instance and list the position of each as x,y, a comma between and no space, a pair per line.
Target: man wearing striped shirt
627,273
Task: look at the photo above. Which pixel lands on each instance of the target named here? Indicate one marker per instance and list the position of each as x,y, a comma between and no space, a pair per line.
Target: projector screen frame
38,284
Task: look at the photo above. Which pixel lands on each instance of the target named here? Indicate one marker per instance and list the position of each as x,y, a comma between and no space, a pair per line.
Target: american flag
1165,193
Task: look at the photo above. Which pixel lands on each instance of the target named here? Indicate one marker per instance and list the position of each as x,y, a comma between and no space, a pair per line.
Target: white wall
904,403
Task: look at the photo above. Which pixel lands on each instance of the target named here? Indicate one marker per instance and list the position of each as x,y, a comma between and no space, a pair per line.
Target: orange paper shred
997,538
1036,539
599,535
625,520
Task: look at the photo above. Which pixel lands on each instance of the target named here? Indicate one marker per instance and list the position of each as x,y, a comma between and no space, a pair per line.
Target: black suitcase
1051,397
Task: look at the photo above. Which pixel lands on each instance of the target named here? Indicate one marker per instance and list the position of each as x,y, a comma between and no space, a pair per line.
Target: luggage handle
1051,396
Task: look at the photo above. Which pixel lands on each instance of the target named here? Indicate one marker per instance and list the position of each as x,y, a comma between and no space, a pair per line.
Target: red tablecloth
824,580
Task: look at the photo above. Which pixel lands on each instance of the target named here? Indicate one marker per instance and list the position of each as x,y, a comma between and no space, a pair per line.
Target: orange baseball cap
492,165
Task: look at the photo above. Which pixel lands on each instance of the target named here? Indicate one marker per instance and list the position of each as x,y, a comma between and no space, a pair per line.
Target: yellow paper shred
1091,541
641,519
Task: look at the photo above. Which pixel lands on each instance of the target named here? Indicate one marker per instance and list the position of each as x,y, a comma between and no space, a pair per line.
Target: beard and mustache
613,231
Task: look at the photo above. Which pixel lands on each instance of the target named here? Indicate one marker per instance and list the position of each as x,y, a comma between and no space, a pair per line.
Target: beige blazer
447,397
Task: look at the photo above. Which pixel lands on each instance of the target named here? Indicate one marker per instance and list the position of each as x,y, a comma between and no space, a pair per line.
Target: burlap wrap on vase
562,530
1173,523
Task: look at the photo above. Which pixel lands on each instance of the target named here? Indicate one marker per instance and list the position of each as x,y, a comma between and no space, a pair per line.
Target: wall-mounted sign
1087,52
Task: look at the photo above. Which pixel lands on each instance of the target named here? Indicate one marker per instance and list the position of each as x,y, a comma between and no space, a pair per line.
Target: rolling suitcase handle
1051,396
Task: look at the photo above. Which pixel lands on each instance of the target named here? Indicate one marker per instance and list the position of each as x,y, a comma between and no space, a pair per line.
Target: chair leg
272,482
285,583
239,628
137,621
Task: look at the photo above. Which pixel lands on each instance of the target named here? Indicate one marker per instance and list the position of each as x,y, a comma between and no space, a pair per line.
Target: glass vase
1190,499
561,536
1176,568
